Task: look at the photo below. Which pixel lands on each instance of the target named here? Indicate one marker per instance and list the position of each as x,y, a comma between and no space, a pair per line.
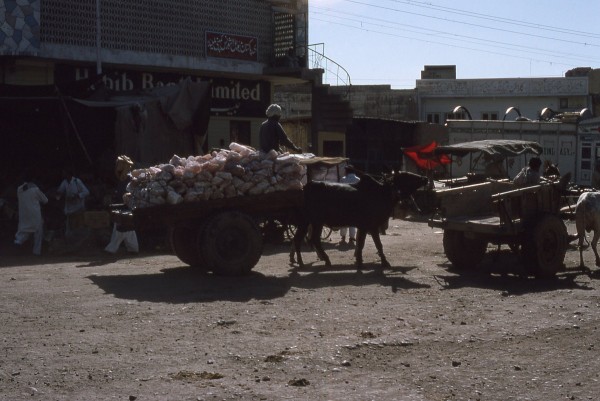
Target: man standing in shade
30,198
75,192
123,168
349,178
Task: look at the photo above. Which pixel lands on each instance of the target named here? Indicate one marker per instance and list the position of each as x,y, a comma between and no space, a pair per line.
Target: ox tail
581,227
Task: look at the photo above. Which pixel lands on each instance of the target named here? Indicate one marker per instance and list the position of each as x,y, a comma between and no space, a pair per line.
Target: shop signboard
226,45
229,96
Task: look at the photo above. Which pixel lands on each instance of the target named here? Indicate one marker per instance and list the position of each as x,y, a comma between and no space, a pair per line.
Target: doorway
240,132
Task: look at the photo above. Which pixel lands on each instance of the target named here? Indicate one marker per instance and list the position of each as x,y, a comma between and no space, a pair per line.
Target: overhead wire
511,21
470,24
366,23
473,40
445,44
532,50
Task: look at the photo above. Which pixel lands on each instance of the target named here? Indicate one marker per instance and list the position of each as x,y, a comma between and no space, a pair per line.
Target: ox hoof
386,264
598,263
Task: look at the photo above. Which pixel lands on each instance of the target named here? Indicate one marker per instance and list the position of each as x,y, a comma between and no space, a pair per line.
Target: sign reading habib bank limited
229,97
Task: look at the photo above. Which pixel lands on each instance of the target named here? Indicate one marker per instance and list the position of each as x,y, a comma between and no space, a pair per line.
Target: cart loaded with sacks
215,207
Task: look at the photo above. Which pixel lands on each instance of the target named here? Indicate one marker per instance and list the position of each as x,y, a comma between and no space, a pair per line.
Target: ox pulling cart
497,212
225,235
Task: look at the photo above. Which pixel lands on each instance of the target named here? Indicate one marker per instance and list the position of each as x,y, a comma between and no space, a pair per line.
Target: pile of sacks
239,171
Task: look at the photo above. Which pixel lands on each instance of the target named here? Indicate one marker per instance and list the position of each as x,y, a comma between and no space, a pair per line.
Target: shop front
237,105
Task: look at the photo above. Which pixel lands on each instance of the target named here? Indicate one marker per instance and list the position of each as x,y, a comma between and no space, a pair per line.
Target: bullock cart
527,219
497,212
226,235
219,235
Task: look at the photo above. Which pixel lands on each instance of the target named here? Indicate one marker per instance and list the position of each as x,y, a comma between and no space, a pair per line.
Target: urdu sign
231,46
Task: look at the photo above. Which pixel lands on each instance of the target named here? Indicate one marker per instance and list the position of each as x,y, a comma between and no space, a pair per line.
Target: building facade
244,48
490,98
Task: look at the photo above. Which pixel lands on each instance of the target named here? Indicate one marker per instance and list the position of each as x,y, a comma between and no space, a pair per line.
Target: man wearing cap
272,134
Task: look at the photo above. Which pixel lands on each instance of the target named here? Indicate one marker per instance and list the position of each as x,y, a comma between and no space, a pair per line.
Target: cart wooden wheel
231,243
464,253
183,242
545,247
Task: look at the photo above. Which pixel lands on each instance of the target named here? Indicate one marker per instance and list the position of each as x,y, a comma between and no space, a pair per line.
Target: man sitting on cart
529,175
272,134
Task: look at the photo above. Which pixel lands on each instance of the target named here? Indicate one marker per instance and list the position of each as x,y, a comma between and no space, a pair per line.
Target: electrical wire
472,24
471,39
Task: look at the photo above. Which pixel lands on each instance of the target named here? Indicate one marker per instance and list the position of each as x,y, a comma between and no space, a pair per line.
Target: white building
488,99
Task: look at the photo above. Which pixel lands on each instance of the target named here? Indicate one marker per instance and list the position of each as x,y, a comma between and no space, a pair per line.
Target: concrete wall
479,96
380,101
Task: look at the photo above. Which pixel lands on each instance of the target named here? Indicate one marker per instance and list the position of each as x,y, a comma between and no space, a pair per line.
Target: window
333,148
433,118
489,115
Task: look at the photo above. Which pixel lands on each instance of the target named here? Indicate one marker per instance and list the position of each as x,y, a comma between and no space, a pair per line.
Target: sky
388,42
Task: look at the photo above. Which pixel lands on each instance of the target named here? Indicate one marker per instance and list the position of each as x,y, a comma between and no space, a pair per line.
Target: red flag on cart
423,156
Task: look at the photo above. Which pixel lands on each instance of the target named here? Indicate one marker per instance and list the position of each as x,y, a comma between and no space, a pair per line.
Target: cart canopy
493,147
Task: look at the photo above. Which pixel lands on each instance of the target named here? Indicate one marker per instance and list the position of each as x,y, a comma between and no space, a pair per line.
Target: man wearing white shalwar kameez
75,193
349,178
30,216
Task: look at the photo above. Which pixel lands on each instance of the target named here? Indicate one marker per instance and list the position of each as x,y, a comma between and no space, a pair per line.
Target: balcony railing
334,74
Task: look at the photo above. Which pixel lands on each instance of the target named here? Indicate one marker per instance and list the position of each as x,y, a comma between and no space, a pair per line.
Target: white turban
273,110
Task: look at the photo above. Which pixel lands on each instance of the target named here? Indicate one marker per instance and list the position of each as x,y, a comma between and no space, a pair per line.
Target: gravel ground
96,327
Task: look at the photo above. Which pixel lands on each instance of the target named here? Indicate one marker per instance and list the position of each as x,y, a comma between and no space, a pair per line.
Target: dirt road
92,327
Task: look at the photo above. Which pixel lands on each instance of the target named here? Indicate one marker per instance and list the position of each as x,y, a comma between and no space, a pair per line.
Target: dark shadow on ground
189,285
81,257
286,247
87,246
505,271
511,284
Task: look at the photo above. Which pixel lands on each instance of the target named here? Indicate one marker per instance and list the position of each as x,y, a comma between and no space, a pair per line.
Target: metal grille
168,27
284,34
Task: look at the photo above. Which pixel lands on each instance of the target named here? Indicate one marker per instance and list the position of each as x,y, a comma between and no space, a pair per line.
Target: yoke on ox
365,205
